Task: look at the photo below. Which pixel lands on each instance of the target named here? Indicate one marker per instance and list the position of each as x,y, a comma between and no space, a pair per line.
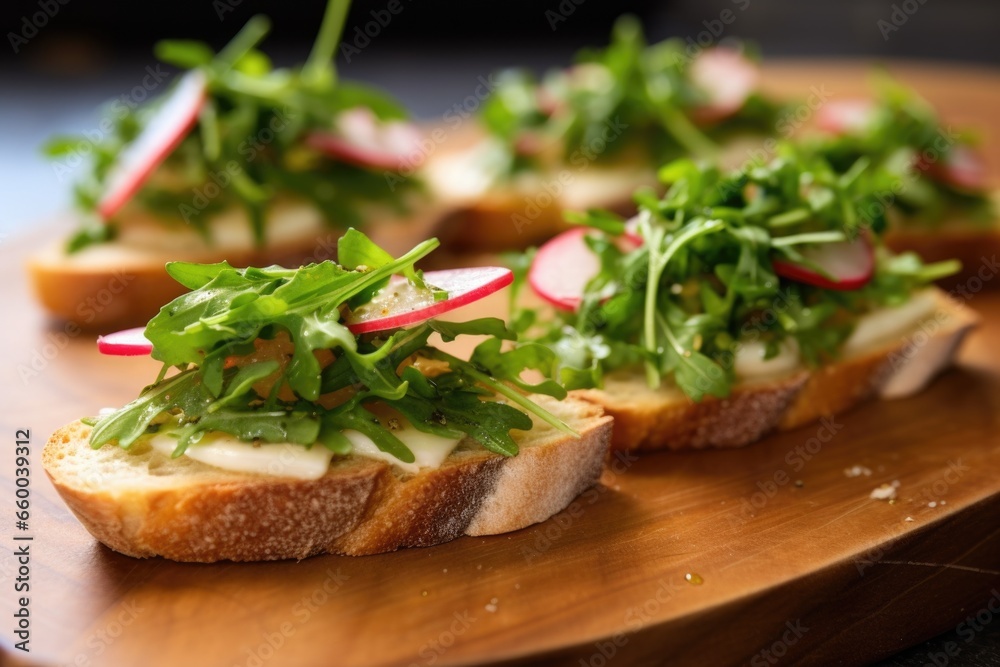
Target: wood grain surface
766,555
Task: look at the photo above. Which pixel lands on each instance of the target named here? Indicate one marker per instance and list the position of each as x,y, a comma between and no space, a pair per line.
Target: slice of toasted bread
664,418
492,213
144,504
123,283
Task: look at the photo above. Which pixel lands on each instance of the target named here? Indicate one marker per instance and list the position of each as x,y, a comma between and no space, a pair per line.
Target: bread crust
665,418
143,504
104,298
493,213
117,285
489,224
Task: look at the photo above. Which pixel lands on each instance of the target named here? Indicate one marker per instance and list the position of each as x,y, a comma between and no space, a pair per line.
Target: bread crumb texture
142,503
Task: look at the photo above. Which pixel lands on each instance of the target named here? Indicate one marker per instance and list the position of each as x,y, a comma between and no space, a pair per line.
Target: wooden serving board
751,556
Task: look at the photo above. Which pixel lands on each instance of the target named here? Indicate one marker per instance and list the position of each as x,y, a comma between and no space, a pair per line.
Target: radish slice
632,235
727,78
562,268
363,140
401,304
846,116
158,139
849,265
127,343
548,102
962,168
398,305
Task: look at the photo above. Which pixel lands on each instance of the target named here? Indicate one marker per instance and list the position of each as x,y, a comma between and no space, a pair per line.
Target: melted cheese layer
224,451
871,330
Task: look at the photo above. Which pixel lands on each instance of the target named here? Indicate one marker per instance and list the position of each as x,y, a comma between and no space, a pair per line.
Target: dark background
430,55
940,29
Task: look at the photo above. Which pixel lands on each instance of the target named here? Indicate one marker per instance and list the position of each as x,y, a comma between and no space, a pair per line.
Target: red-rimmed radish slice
849,265
548,102
158,139
361,139
962,168
845,116
632,235
727,78
400,304
562,268
127,343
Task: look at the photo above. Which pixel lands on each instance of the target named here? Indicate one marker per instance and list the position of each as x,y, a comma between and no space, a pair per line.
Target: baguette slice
664,418
122,283
491,214
145,504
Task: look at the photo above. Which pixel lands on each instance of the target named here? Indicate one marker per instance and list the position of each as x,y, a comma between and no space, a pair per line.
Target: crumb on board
492,606
884,491
909,518
857,471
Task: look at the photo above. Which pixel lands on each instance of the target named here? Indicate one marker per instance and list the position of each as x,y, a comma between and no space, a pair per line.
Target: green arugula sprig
646,90
901,127
702,283
254,118
230,311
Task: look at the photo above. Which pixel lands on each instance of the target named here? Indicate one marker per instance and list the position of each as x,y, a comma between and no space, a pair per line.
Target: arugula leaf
252,129
507,366
264,357
643,93
661,250
352,416
704,281
243,382
126,425
354,250
884,151
484,326
301,428
195,276
183,53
